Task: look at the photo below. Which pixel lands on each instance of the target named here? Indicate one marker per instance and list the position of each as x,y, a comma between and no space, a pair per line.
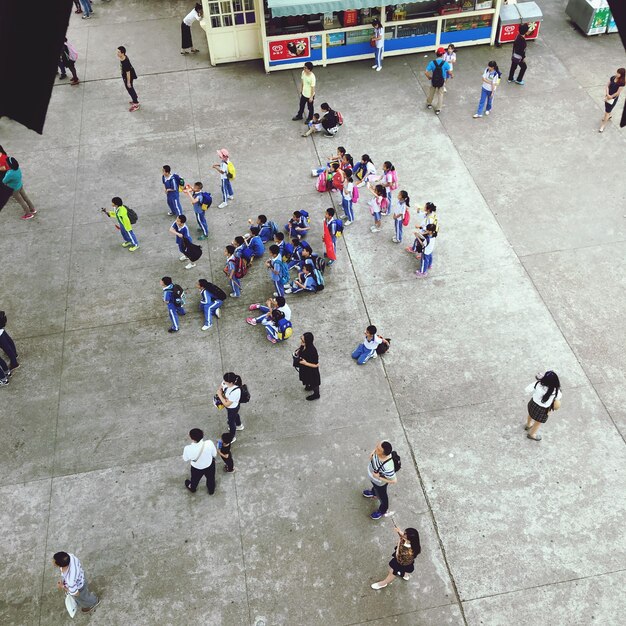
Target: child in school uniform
426,215
346,198
225,177
275,307
180,230
399,210
298,225
284,247
172,183
209,304
330,236
305,281
278,271
427,252
296,256
449,56
256,247
364,171
223,449
366,350
229,270
173,301
266,228
377,205
389,181
201,201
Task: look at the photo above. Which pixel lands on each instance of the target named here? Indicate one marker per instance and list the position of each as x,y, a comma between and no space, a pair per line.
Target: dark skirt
310,376
400,570
185,33
536,412
609,107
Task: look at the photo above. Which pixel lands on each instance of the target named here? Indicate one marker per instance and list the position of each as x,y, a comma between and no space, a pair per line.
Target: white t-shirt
191,17
539,391
430,246
200,453
375,205
373,343
370,170
450,57
224,169
399,208
380,32
232,395
492,78
287,311
348,188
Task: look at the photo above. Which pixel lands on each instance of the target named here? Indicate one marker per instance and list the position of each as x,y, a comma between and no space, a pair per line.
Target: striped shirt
384,468
73,577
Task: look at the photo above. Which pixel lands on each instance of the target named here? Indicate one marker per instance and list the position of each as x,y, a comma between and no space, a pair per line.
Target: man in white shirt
367,350
307,93
195,15
201,454
73,581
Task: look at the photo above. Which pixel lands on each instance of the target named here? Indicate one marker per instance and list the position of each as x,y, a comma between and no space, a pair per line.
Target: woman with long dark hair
491,78
229,395
195,15
612,92
546,392
403,557
306,361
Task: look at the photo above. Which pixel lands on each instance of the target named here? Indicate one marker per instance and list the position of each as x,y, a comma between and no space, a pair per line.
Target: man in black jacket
519,56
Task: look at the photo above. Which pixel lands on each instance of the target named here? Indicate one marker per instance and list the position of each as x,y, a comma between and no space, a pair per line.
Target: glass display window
231,13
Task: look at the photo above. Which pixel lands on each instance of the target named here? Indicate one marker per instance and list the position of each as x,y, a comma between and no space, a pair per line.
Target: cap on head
440,51
223,153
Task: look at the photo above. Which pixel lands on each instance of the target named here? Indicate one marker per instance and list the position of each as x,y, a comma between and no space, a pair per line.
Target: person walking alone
128,76
437,71
518,56
306,361
13,180
401,564
546,392
229,394
612,92
195,15
307,93
201,454
73,581
120,214
491,78
67,60
378,43
382,473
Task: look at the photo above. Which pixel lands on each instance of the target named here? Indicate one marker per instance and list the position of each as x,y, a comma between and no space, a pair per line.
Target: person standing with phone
378,43
403,557
128,76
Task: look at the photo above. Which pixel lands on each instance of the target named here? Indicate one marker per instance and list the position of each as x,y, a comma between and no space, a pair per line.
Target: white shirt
380,32
539,391
399,209
373,343
491,76
375,205
200,453
232,395
348,188
74,577
224,169
449,57
370,169
191,17
430,246
287,311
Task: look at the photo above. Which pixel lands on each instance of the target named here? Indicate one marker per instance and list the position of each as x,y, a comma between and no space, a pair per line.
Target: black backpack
383,347
245,394
132,216
192,251
177,295
397,463
216,292
437,80
3,319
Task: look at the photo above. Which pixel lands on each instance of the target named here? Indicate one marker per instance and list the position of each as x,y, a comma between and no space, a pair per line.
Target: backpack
355,194
285,329
245,394
437,79
231,172
192,251
394,180
287,252
273,227
3,319
206,200
319,278
305,215
321,185
72,52
337,180
338,226
178,295
339,118
319,264
132,216
241,267
283,275
397,463
180,182
381,348
384,205
406,220
216,292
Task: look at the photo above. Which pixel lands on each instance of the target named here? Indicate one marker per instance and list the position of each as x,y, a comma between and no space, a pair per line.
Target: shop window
231,13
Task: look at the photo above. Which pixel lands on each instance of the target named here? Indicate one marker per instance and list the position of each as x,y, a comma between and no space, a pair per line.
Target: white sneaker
487,112
231,197
378,69
374,67
189,265
476,115
222,205
217,313
182,257
205,327
242,427
395,240
233,440
347,223
374,229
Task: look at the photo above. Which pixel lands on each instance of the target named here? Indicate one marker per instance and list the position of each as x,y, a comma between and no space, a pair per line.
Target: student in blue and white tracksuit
209,304
399,209
367,350
256,247
174,309
222,168
229,270
305,282
266,311
331,224
200,199
346,197
427,252
171,182
296,256
277,270
180,229
240,245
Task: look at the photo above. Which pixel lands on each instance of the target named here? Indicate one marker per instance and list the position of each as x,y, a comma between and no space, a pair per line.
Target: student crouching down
210,303
275,317
367,349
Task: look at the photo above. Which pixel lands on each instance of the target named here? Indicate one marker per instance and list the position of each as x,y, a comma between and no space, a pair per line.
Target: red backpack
339,118
406,220
338,180
241,267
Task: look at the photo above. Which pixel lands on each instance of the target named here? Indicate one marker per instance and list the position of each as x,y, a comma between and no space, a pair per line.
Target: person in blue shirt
331,224
209,304
298,225
278,271
201,201
180,229
285,248
240,245
266,228
172,184
255,249
305,281
437,71
173,301
13,180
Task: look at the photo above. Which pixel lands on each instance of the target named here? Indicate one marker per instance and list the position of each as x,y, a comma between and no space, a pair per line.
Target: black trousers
233,420
71,65
185,36
381,494
4,369
522,69
229,462
305,101
197,474
131,92
8,347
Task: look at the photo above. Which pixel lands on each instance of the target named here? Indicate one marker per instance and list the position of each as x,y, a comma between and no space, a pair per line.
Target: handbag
517,58
70,605
296,359
556,405
373,42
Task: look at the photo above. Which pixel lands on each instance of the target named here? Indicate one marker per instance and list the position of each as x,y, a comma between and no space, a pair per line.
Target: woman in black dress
401,564
611,94
306,361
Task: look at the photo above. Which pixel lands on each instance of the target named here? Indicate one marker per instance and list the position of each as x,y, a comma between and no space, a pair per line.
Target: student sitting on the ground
367,350
285,248
296,256
255,249
267,318
298,225
240,245
266,227
305,281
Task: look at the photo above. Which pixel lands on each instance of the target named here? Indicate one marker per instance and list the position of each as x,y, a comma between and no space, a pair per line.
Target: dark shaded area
618,8
31,36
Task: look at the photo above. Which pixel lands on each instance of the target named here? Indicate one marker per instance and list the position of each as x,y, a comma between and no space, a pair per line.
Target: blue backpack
273,227
305,215
319,279
287,252
205,200
285,329
338,226
284,270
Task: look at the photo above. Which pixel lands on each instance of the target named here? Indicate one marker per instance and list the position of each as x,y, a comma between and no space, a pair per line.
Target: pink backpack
321,183
394,180
384,205
406,220
355,194
73,53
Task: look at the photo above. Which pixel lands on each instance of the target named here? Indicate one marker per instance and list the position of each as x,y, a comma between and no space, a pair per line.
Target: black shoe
188,485
295,118
62,76
308,388
314,396
172,330
211,492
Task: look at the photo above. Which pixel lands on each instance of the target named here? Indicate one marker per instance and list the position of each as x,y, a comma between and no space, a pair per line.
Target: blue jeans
86,4
486,96
201,219
378,56
362,354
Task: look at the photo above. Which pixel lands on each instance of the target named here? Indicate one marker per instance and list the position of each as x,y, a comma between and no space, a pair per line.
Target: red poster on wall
298,48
